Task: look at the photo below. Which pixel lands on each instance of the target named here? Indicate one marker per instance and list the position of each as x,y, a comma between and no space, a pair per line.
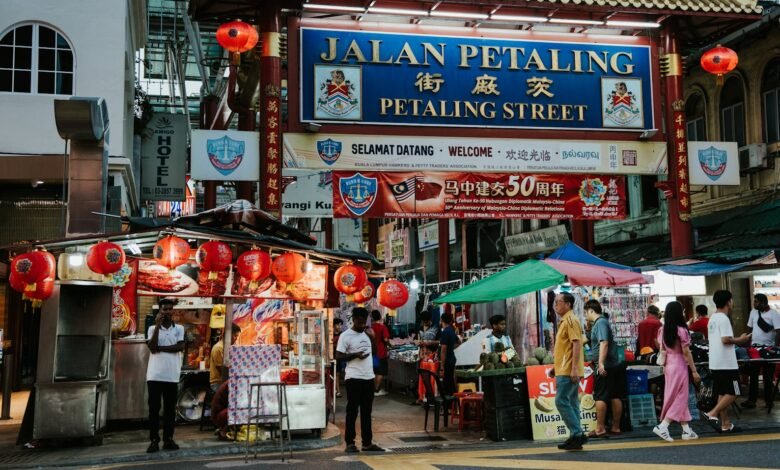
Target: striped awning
706,6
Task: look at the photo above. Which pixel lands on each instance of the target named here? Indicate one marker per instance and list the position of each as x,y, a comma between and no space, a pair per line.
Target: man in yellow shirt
569,368
216,368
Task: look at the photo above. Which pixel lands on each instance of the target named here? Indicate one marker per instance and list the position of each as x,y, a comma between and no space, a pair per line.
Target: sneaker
663,433
574,443
689,436
372,448
564,444
748,405
153,447
380,393
170,445
351,449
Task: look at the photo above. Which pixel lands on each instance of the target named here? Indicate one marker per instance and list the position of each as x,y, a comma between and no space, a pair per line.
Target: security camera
649,134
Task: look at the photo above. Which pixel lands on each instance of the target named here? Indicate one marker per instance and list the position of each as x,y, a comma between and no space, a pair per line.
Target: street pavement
739,451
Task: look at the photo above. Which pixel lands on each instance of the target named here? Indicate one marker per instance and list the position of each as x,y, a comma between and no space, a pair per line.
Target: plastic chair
440,403
467,402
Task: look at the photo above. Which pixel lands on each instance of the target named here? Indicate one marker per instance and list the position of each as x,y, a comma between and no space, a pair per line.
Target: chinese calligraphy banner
410,153
475,81
478,196
546,421
225,155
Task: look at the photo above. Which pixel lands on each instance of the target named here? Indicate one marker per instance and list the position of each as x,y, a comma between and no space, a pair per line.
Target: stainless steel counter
127,395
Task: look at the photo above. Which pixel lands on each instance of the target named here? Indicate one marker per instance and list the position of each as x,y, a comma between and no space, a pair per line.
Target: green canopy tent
526,277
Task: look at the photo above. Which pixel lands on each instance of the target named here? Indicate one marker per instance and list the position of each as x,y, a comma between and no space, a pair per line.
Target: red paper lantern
289,267
43,290
213,257
31,268
392,294
365,294
237,36
719,61
254,266
105,258
16,282
350,279
171,252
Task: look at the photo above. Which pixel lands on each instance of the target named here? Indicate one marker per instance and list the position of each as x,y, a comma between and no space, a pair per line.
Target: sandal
714,422
595,435
615,433
338,394
732,430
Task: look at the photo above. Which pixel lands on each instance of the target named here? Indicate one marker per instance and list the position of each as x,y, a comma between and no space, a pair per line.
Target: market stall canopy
591,275
692,267
533,275
526,277
574,253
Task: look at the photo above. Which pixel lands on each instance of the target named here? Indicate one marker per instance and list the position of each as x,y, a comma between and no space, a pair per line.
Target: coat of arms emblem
329,150
358,193
713,162
225,154
622,107
338,96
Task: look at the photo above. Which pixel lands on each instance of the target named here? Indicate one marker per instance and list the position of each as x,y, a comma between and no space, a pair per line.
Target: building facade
47,52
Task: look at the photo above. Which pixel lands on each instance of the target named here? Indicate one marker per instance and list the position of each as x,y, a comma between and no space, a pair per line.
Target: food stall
506,419
276,296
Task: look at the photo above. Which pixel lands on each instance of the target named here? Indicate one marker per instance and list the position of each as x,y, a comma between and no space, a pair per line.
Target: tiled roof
722,6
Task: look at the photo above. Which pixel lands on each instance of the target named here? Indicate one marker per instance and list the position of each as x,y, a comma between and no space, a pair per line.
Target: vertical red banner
679,173
124,308
271,186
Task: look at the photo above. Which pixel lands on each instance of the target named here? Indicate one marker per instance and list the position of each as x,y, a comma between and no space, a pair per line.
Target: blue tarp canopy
572,252
701,269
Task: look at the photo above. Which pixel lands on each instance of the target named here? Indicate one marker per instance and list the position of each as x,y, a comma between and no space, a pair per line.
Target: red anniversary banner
478,196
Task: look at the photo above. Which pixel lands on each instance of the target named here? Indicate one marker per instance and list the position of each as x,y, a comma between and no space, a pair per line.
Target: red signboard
478,196
124,311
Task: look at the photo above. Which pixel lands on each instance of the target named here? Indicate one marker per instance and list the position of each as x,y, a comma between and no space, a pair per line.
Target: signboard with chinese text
713,163
546,421
412,153
538,241
478,196
225,155
164,158
467,81
307,193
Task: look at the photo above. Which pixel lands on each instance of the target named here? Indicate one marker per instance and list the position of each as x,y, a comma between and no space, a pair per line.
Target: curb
47,459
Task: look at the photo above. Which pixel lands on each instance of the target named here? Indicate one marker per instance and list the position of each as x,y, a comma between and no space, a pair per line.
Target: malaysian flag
405,189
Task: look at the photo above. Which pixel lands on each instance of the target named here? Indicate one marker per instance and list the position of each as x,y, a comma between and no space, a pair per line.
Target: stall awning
705,268
574,253
592,275
533,275
529,276
709,6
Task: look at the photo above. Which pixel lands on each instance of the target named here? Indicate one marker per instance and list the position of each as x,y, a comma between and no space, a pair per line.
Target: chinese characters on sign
474,196
680,167
545,418
432,79
271,186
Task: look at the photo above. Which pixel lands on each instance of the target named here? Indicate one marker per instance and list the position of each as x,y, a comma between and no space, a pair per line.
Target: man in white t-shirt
166,343
354,347
764,334
723,362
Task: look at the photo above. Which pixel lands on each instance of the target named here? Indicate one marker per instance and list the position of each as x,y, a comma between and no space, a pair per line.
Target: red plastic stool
467,402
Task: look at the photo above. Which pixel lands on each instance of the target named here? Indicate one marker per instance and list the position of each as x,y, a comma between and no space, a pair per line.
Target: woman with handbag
675,356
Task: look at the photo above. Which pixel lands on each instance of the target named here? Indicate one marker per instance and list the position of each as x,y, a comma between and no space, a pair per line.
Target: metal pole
7,367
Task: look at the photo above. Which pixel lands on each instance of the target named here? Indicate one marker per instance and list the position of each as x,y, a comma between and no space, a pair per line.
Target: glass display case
303,343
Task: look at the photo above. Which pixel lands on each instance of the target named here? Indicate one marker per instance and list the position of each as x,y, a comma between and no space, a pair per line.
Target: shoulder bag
661,359
763,324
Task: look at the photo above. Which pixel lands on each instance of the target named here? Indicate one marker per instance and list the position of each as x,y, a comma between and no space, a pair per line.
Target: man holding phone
354,348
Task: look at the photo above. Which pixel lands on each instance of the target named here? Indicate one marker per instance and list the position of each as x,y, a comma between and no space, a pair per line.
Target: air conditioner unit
753,158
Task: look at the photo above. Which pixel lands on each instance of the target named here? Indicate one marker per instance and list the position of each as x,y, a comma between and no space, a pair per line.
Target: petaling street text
425,54
481,109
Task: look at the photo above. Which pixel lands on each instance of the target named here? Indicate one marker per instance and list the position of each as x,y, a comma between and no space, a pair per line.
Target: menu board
189,281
